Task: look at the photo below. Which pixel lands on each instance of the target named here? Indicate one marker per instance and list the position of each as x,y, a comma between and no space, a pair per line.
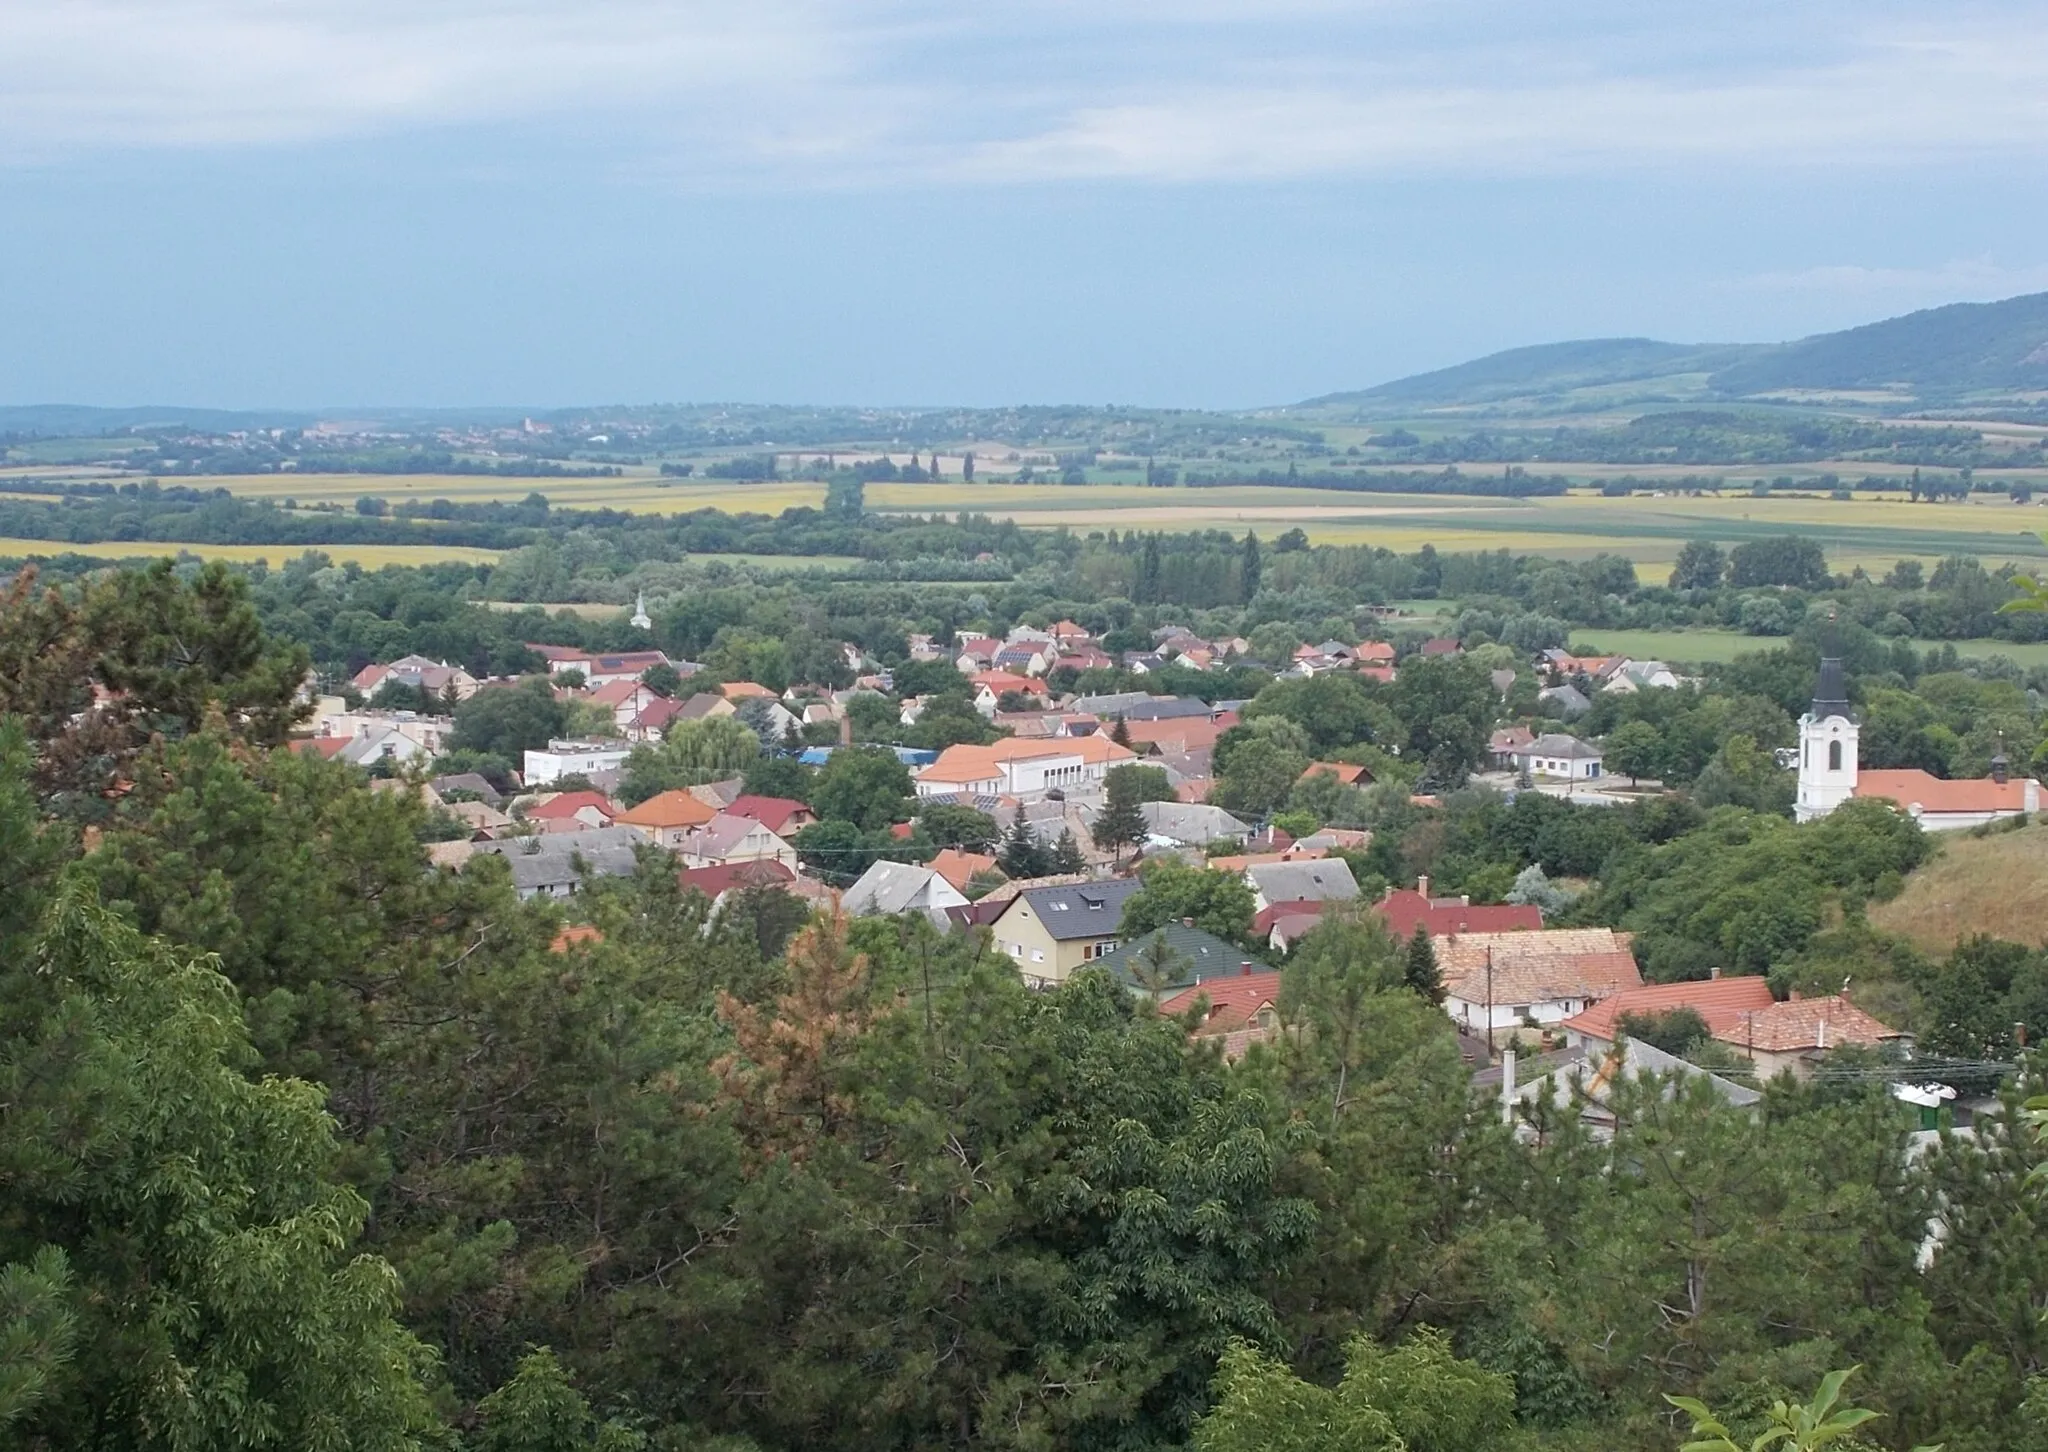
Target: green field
368,556
1701,647
1871,530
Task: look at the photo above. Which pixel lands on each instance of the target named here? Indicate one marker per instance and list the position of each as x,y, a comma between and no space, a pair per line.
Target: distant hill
1962,352
1941,352
1547,368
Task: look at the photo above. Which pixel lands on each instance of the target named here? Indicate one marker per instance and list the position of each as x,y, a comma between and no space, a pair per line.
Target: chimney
1820,1038
1714,972
1422,884
846,730
1244,969
1187,922
1507,1085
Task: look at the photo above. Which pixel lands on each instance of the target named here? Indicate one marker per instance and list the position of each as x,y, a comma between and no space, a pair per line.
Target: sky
1211,203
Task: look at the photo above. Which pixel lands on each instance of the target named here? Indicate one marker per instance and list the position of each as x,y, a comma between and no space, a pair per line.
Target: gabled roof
705,704
1081,910
677,808
1806,1025
895,887
1344,771
1311,880
1191,823
1720,1002
1541,966
1556,743
616,693
1595,1076
741,690
771,812
568,804
961,868
1401,910
1914,788
713,881
326,747
657,713
1198,956
721,835
1241,991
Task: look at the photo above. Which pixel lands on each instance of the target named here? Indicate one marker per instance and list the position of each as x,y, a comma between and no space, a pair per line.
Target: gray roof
468,781
1312,879
1192,822
898,887
1637,1059
1084,909
1198,957
1556,743
1570,698
1140,706
558,859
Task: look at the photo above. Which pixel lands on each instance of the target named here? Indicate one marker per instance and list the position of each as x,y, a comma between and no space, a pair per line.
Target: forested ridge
309,1145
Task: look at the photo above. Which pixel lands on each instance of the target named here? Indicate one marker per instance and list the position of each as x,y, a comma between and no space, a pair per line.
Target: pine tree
1251,568
1021,856
1121,732
1122,819
1419,968
1066,854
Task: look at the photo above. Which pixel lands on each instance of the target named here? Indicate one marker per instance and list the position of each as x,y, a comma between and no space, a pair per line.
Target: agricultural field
1701,647
370,557
1871,529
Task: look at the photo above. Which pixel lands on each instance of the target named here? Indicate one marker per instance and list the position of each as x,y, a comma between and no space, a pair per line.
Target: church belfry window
1834,756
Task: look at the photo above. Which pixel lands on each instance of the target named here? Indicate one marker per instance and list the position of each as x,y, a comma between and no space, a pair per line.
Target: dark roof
1198,957
1830,691
1082,909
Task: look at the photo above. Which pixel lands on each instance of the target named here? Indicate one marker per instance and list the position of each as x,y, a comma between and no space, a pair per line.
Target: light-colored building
668,817
1304,879
554,865
727,839
1052,932
1830,775
1536,976
1022,768
569,758
1555,756
888,888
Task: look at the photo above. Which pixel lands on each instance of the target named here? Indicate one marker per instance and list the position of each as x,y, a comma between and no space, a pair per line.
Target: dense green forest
308,1145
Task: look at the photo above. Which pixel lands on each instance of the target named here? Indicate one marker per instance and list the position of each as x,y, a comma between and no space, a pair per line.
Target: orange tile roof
1914,788
1719,1001
573,934
981,763
1265,859
1246,993
960,868
1538,965
668,809
741,690
1344,771
1805,1023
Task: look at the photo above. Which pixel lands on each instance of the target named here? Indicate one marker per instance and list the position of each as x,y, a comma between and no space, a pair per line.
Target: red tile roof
1537,966
1721,1002
1401,910
1805,1023
960,868
1244,994
572,935
324,746
568,804
771,812
711,881
674,808
1913,788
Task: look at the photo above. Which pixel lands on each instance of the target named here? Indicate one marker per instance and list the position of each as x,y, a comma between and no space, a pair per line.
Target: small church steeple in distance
640,620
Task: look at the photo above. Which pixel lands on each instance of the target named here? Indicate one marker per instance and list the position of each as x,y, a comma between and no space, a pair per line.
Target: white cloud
807,92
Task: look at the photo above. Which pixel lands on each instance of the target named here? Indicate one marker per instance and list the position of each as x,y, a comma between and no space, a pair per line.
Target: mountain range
1965,354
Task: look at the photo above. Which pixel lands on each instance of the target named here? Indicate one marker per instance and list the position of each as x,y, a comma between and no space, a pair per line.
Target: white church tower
1827,747
640,620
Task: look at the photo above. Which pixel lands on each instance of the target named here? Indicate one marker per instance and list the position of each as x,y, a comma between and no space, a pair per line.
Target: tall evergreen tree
1021,856
1066,854
1121,821
1250,568
1419,968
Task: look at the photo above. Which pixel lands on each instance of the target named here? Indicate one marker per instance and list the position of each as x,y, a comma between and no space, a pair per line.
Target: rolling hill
1964,353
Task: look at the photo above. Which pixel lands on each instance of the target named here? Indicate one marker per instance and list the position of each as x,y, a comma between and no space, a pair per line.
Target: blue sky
317,203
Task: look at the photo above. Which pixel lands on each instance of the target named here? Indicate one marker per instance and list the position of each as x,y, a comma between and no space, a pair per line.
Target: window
1834,756
1038,955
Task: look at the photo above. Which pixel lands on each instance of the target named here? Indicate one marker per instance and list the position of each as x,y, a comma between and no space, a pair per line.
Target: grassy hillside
1996,884
1959,349
1548,370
